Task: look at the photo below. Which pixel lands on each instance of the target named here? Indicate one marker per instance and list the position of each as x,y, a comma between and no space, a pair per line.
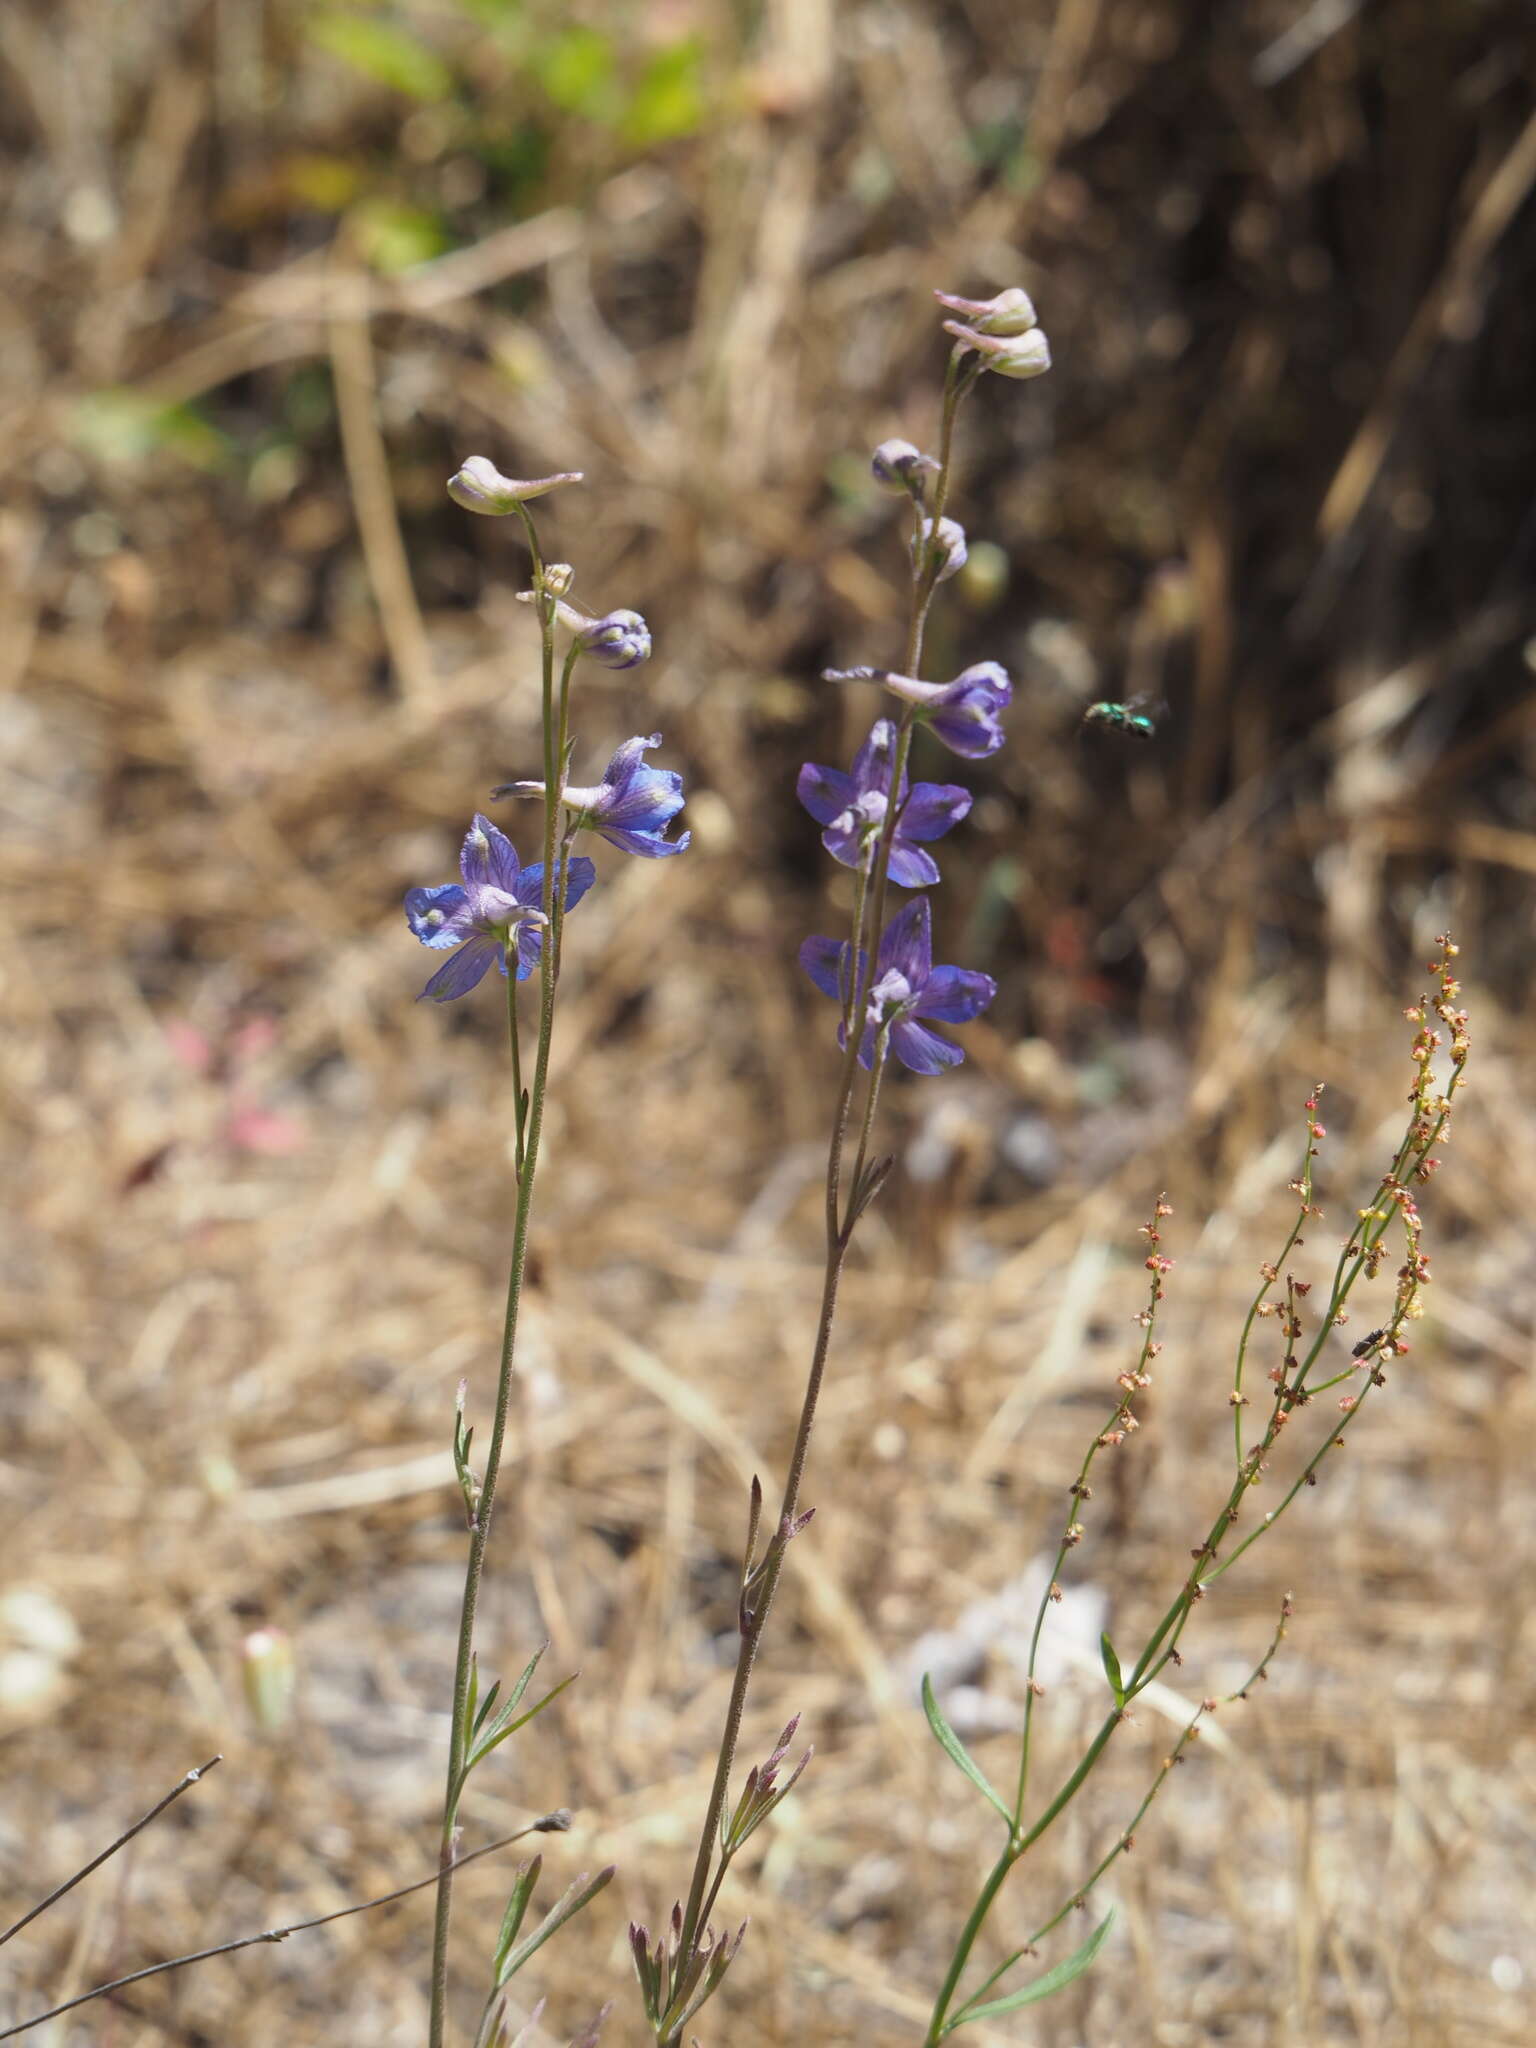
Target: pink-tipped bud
1009,312
267,1674
479,486
946,544
1022,355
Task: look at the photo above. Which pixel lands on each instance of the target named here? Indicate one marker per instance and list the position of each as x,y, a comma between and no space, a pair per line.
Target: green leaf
497,1731
1043,1987
1112,1669
383,52
957,1752
580,1894
392,237
577,70
517,1905
124,427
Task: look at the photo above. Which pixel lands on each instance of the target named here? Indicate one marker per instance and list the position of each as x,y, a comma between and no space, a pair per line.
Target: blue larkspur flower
853,808
908,993
631,807
963,714
491,914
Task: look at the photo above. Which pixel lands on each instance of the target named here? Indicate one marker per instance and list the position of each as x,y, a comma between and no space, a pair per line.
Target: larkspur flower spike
631,807
493,913
479,486
963,713
908,995
853,808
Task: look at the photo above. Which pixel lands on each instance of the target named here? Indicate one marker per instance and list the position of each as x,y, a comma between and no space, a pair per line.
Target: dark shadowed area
272,269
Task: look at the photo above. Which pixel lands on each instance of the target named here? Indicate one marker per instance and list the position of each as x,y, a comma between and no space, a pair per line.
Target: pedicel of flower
1020,356
493,912
908,994
479,486
963,713
631,807
853,808
1008,312
944,544
901,469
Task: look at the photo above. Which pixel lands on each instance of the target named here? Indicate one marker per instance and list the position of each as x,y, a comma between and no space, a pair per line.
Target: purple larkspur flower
963,714
493,912
618,640
631,807
908,994
853,809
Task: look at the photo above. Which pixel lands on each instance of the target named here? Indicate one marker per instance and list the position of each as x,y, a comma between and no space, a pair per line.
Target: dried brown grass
239,724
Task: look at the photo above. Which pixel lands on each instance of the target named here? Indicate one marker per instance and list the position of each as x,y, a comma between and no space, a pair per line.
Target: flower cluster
496,914
875,820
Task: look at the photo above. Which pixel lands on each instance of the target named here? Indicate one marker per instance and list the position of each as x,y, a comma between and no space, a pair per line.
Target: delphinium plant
891,1003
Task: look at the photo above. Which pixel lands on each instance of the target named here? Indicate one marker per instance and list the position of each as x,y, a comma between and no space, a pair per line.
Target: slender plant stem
863,953
532,1131
193,1777
273,1934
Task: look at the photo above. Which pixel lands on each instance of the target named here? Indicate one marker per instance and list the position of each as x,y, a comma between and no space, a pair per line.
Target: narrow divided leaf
957,1752
1112,1669
1043,1987
580,1894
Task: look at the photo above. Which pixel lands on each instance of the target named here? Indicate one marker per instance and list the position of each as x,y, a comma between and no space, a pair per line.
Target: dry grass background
256,673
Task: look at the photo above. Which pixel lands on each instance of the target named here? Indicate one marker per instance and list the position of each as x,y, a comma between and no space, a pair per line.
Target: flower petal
826,961
954,995
910,867
932,809
464,971
907,944
845,843
650,845
873,763
654,797
921,1050
432,914
580,875
825,792
622,769
488,858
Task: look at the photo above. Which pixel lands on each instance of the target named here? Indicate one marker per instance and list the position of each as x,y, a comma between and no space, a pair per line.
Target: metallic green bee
1131,718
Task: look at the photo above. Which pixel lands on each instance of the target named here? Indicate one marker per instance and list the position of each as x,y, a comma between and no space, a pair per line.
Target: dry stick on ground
551,1823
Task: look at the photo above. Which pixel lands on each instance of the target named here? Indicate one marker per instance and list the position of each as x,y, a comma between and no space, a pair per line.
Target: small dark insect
1130,719
1366,1344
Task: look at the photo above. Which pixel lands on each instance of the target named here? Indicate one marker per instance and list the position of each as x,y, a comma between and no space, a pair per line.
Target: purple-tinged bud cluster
631,807
1001,330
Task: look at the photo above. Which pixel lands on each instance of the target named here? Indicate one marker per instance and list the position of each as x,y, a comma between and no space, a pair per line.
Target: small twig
185,1785
226,1948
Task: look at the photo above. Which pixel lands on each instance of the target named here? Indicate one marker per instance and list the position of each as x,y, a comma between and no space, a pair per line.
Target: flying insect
1131,718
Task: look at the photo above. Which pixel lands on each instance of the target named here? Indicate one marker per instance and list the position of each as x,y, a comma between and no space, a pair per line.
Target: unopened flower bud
558,578
620,640
1009,312
898,467
479,486
266,1671
944,544
1022,355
